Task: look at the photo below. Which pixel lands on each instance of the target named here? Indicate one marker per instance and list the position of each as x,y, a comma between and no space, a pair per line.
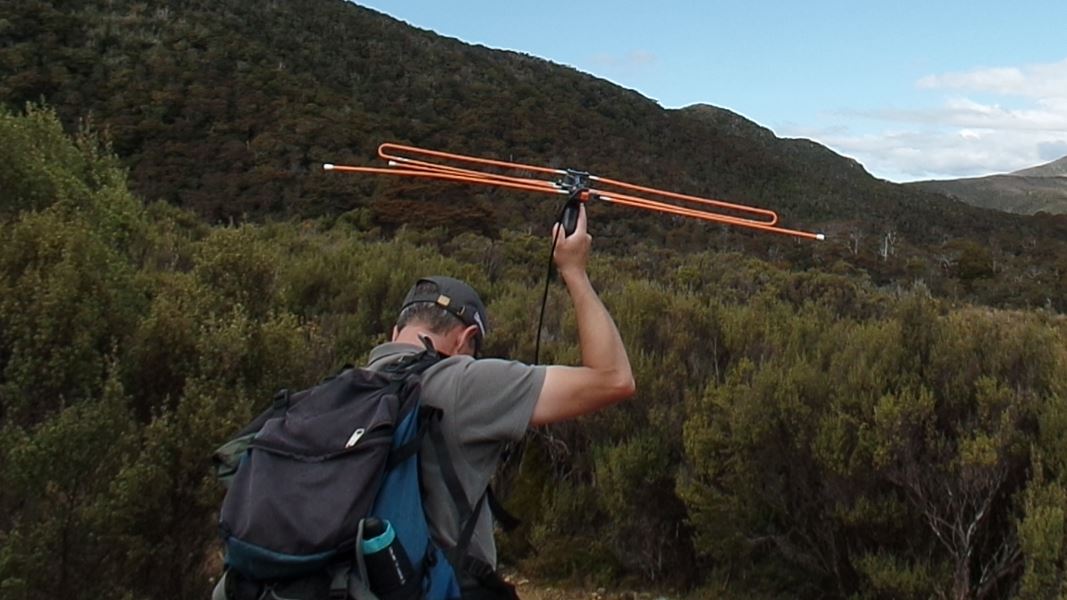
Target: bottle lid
377,535
373,527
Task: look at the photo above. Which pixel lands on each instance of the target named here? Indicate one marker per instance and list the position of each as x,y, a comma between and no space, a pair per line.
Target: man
490,402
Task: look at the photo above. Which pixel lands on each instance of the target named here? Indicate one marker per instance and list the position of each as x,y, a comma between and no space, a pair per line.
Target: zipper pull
355,437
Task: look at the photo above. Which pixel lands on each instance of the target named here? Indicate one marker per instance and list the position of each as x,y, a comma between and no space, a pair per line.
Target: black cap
457,298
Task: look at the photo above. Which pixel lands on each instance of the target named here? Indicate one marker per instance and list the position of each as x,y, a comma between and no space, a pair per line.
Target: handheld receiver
569,220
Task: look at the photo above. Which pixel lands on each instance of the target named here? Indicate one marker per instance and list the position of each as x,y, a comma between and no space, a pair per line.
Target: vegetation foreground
797,434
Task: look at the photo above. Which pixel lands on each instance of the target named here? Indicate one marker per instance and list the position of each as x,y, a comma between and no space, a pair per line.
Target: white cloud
995,120
1032,81
635,59
1044,115
938,153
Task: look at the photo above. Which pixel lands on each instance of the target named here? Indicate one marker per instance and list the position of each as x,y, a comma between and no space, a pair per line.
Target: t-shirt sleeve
495,398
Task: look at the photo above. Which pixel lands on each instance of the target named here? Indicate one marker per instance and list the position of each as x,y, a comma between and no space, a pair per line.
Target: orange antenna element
411,161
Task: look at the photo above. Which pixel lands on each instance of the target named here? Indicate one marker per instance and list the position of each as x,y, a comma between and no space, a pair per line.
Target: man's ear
468,339
396,332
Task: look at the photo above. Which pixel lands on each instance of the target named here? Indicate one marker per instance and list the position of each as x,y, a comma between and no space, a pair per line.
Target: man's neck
414,336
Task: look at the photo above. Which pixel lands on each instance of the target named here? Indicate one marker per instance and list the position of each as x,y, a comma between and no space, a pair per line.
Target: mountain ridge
1056,168
1038,189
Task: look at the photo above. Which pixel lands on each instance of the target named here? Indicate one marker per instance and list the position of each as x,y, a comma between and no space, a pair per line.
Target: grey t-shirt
486,404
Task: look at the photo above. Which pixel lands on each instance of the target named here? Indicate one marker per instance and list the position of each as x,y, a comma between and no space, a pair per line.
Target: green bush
68,300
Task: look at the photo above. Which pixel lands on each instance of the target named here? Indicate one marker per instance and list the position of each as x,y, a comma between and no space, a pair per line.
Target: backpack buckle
339,582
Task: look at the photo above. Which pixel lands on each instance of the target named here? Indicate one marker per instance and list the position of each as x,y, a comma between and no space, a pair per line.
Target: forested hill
228,108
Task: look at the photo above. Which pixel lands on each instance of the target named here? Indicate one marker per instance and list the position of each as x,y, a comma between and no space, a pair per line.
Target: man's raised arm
605,376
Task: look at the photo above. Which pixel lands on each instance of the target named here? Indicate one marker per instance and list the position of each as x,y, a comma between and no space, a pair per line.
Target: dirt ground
534,590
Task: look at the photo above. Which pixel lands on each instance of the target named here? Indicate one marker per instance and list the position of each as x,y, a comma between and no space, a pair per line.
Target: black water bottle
389,570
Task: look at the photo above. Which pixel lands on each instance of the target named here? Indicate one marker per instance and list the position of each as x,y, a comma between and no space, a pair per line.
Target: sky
913,90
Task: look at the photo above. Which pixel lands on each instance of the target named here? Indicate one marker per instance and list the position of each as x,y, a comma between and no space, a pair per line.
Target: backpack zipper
358,433
374,437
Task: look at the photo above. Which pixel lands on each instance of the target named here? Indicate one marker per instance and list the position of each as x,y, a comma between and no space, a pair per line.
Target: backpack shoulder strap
410,369
468,512
408,372
414,364
507,521
427,416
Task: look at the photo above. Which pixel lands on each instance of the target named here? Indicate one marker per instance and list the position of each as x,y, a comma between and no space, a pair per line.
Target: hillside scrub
228,109
798,433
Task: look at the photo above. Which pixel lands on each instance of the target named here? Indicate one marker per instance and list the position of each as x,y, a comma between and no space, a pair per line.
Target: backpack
305,476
